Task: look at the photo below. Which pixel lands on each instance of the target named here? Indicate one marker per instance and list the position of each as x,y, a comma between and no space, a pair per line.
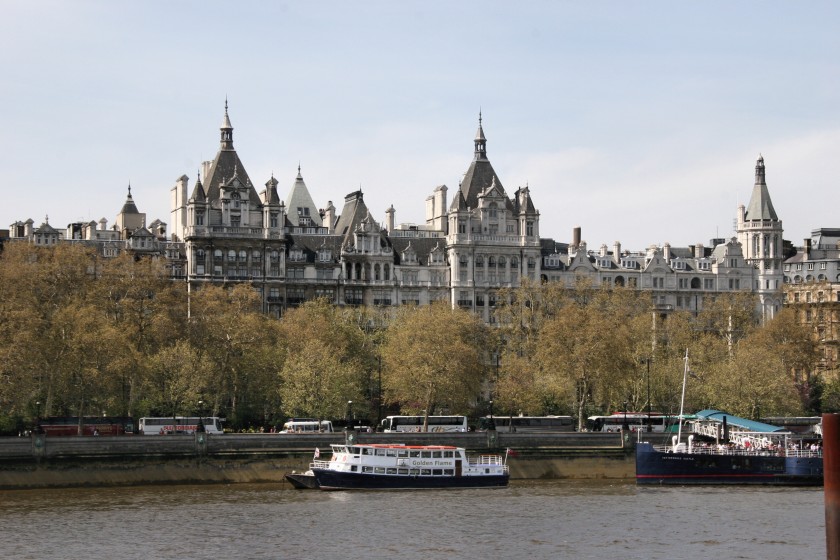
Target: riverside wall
40,461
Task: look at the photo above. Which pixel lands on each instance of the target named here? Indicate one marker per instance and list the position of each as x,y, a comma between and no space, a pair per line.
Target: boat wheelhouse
398,466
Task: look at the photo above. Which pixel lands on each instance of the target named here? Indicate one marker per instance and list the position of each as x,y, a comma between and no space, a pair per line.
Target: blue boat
717,464
729,450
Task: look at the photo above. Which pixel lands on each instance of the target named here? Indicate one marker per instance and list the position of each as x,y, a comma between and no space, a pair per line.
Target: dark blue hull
660,468
332,480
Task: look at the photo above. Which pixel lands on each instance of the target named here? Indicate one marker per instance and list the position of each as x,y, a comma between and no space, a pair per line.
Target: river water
530,520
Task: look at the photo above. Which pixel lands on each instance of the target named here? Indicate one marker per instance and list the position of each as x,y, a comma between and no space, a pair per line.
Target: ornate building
812,290
225,231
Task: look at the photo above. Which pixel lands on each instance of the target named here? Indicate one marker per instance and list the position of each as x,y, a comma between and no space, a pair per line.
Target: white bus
636,422
306,426
179,425
415,423
526,424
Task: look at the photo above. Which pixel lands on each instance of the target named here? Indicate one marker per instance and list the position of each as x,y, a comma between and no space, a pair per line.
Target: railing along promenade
80,448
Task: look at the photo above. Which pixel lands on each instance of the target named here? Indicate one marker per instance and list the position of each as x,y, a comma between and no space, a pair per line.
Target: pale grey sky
638,121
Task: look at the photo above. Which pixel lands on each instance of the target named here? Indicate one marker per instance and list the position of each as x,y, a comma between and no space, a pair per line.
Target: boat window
379,470
354,450
426,454
437,454
402,453
391,452
353,468
380,452
413,453
448,472
425,472
448,454
414,472
391,470
437,472
367,469
402,471
367,451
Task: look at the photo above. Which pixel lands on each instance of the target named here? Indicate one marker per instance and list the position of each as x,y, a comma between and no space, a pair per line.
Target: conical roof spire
226,130
760,207
480,141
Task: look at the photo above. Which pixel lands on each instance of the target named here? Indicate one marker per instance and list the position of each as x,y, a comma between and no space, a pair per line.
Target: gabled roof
355,210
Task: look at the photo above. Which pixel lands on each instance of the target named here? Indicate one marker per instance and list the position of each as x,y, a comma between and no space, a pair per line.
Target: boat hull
302,481
337,480
654,467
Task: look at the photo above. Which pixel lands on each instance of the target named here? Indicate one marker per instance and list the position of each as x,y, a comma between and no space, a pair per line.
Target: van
307,427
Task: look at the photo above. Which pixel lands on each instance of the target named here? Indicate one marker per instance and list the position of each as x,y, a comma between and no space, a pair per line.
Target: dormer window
237,200
324,255
494,210
296,255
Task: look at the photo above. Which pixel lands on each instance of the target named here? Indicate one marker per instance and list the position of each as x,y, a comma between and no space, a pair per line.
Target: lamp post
349,413
200,427
625,426
649,426
492,424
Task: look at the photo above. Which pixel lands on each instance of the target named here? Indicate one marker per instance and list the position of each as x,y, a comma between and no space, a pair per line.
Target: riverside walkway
46,461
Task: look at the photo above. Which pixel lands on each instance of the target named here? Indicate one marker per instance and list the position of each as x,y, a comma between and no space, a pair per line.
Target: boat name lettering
427,463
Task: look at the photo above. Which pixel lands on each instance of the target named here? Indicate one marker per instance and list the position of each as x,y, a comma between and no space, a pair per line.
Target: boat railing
487,460
755,452
319,464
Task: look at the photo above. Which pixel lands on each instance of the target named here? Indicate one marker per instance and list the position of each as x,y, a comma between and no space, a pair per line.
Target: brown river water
530,520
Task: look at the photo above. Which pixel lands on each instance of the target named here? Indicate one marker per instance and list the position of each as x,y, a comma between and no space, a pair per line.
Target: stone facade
224,231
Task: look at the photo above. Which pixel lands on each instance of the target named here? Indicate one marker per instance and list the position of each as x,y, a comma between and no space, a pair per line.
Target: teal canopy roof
738,422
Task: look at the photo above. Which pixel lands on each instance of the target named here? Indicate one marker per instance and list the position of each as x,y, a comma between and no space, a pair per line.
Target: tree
228,329
434,359
586,351
326,360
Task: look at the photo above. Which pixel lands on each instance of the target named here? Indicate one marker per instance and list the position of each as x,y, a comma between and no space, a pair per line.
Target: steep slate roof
760,207
299,197
423,246
479,176
129,207
227,165
311,243
355,210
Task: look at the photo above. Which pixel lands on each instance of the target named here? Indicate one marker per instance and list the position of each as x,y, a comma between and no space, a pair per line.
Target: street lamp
625,426
649,426
349,413
200,427
492,424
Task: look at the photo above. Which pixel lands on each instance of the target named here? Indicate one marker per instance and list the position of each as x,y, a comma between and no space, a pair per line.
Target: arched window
479,262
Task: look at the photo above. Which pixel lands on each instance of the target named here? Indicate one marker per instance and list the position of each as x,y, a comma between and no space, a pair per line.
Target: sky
638,122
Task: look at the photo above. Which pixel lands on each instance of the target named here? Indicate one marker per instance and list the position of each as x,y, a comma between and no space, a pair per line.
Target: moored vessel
733,451
399,466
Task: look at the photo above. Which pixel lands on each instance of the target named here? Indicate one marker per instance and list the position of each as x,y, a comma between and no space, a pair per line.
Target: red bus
91,425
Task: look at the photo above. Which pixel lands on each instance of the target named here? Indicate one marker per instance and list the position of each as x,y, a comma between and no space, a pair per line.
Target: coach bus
179,425
527,424
635,421
415,423
90,425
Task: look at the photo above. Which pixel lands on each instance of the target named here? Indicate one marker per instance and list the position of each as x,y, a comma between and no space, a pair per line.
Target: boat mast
682,401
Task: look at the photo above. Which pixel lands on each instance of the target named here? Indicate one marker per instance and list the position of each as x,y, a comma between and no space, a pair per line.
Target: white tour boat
397,466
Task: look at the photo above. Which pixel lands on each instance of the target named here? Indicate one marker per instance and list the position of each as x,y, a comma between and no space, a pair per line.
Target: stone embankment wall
40,462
